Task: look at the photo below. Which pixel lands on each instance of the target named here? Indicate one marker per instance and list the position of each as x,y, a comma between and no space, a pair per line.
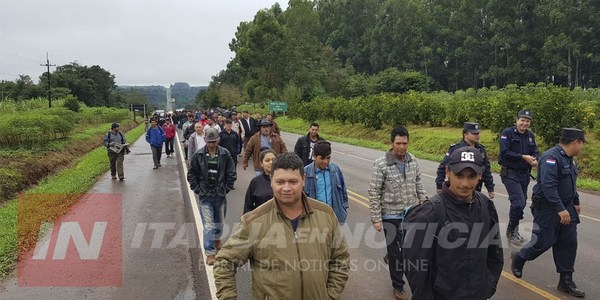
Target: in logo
467,156
82,248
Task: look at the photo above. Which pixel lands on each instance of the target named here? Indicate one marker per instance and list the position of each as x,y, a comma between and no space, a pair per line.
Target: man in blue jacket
155,136
325,181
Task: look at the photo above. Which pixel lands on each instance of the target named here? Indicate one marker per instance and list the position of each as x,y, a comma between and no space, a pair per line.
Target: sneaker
218,245
155,167
401,294
210,260
122,178
114,177
159,165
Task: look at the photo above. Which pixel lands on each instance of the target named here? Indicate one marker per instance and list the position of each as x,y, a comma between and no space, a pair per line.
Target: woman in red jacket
170,134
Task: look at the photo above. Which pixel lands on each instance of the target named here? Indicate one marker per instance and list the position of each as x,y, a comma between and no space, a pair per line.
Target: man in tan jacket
262,140
294,244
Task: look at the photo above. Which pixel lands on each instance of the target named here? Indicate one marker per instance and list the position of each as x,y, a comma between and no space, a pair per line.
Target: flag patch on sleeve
551,161
503,137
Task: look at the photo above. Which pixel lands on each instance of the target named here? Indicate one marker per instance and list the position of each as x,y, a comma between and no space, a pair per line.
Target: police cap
573,133
471,127
524,114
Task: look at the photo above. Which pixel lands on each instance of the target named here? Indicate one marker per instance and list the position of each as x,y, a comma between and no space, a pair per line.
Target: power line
22,45
19,57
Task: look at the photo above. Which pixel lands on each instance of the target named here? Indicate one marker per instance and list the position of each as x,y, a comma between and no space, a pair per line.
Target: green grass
430,143
74,180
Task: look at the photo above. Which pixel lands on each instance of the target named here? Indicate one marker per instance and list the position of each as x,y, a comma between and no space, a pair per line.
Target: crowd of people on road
303,191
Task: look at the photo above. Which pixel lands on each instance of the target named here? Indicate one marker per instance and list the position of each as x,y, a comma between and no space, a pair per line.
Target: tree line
341,48
93,86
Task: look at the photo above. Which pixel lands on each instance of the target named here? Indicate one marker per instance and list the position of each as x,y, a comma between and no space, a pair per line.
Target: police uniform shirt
513,145
557,177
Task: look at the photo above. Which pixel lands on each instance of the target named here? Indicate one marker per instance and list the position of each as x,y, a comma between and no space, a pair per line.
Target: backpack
439,212
107,140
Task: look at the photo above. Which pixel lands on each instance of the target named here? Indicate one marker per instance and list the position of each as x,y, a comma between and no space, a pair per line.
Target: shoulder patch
550,161
503,137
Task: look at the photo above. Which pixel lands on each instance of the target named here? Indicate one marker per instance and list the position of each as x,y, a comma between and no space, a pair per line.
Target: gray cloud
140,42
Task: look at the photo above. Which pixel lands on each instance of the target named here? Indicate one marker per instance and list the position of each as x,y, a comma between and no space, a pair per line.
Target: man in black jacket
304,145
462,258
230,140
211,176
249,126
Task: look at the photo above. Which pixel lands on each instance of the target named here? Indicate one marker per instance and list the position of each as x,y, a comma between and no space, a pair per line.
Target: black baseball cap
466,157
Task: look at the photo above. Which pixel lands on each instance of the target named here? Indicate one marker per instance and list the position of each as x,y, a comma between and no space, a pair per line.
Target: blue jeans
212,211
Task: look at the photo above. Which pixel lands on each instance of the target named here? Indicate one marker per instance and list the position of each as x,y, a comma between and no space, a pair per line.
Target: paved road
154,266
540,277
160,197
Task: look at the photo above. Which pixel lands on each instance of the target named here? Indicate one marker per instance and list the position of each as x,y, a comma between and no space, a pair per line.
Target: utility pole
48,65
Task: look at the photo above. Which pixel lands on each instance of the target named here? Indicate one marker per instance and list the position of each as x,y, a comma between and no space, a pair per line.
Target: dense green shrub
32,127
61,112
102,114
553,108
72,103
11,106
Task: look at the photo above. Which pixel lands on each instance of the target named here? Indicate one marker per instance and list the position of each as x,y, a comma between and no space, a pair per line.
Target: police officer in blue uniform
470,138
518,154
556,210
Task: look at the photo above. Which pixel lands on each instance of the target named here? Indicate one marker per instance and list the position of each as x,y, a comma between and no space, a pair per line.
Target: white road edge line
199,228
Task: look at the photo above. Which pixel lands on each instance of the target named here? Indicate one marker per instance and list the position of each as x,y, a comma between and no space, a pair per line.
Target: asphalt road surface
158,260
155,270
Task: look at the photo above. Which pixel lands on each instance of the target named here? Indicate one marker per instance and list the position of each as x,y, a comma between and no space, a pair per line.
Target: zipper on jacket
299,262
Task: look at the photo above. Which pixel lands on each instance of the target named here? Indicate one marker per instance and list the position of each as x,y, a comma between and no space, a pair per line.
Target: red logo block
82,248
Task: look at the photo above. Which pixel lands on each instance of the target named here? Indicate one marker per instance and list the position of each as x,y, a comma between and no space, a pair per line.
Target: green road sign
278,106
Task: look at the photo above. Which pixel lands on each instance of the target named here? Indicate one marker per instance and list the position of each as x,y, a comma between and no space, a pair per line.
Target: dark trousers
156,154
548,232
169,146
116,163
516,184
393,238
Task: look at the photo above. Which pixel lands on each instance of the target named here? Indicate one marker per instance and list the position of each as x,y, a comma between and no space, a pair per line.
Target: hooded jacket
155,136
461,260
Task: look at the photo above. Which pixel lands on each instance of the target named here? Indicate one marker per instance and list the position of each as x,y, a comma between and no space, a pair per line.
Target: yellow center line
364,201
529,286
355,194
358,201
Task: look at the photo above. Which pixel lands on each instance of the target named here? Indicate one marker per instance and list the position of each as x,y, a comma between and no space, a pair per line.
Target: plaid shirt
390,191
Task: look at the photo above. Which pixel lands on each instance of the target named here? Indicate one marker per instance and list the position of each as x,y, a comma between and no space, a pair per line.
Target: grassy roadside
20,218
428,143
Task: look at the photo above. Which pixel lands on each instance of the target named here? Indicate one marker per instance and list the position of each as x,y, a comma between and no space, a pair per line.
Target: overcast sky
141,42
